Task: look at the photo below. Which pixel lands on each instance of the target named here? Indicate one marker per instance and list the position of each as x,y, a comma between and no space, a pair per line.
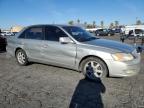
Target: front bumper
124,69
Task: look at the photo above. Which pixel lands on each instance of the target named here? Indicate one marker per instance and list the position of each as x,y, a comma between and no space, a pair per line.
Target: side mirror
65,40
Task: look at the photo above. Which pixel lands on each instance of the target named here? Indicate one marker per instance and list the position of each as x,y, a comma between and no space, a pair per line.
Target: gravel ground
44,86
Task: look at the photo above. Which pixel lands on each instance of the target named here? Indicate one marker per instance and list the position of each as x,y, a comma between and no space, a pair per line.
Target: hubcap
21,58
93,69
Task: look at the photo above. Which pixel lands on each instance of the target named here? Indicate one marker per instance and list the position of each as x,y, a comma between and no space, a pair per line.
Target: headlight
122,56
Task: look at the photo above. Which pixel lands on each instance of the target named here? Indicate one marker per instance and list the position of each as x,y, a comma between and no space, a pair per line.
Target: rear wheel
21,57
94,68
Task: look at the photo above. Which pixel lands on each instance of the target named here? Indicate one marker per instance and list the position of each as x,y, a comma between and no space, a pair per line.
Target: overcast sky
27,12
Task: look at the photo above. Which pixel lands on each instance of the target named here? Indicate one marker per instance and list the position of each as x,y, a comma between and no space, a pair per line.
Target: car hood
111,44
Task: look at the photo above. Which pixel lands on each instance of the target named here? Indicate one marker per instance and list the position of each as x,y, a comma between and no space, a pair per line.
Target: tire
93,68
21,57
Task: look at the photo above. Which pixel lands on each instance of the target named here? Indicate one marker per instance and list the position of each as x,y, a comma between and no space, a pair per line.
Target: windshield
105,30
139,31
79,34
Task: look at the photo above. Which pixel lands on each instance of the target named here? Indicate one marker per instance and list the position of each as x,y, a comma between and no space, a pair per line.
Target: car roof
36,25
57,25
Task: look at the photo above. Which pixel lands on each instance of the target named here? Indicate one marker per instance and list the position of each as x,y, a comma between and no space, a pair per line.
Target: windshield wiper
91,38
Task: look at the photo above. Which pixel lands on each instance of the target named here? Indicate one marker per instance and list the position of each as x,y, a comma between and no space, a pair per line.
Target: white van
127,29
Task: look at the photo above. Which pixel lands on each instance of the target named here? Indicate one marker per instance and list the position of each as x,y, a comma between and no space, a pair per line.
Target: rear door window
35,33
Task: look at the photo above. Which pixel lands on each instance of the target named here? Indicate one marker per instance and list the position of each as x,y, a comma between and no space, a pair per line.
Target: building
16,28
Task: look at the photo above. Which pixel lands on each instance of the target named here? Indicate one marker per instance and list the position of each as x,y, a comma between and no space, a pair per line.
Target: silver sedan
72,47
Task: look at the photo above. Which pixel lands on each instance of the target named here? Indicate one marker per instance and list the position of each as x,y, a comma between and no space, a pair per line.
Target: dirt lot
43,86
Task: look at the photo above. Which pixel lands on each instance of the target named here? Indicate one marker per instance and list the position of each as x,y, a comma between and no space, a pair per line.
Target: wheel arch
18,48
25,55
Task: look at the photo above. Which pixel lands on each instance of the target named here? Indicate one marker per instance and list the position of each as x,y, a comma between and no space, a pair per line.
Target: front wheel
21,57
94,68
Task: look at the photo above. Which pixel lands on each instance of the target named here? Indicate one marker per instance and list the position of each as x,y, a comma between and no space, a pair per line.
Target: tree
71,22
89,26
138,22
111,25
78,21
102,24
116,23
85,24
94,24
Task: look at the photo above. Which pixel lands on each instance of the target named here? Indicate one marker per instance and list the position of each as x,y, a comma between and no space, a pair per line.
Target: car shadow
88,94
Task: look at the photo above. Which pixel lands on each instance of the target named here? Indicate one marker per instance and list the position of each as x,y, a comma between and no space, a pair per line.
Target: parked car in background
132,27
92,30
3,43
104,32
135,33
14,33
118,30
73,47
6,33
111,32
